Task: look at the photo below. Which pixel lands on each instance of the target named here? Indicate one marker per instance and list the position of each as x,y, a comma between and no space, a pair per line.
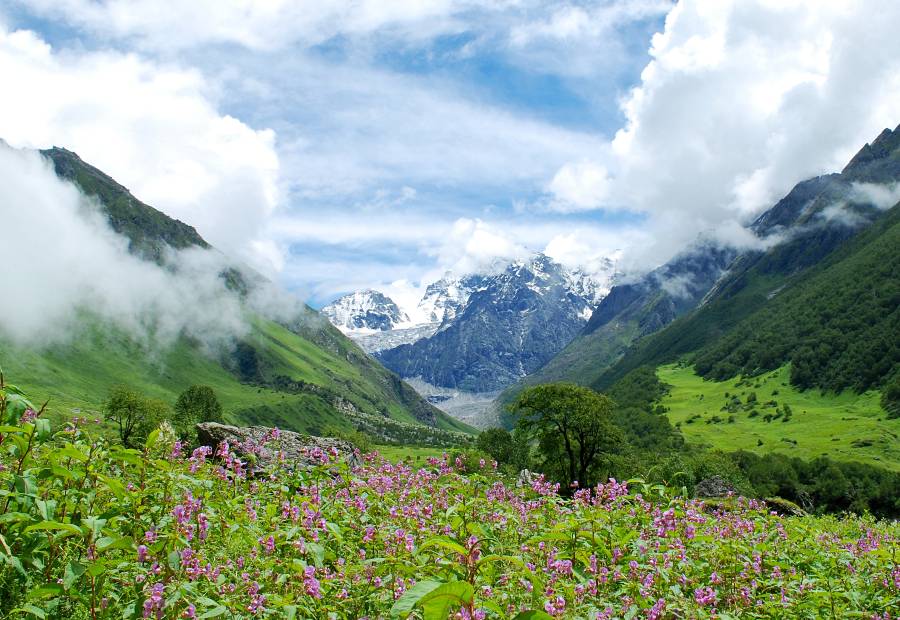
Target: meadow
844,427
89,529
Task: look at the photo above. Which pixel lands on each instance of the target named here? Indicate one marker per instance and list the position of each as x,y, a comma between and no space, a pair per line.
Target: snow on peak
363,311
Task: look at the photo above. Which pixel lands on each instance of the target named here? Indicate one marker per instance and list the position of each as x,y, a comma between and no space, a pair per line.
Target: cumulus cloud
473,245
62,262
742,99
152,127
579,186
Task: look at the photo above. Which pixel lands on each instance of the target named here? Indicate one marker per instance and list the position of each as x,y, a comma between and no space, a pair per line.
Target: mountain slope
824,299
632,310
298,372
510,326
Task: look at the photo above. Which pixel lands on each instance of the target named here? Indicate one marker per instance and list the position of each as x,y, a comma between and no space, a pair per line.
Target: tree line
579,437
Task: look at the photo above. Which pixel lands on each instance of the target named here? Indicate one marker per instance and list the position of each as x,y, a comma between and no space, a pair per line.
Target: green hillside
766,414
826,299
837,321
300,374
301,387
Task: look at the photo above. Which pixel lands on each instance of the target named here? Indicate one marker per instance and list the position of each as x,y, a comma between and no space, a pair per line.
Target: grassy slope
79,375
846,426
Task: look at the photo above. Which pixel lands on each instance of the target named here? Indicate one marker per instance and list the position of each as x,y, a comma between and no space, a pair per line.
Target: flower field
94,530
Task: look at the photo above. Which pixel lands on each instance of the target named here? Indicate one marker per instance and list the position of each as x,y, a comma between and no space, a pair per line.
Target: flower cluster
204,534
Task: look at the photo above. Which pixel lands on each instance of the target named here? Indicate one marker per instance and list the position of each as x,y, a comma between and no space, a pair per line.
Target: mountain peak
366,310
885,146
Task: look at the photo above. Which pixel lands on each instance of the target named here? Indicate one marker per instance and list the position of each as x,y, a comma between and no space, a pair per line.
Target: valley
366,310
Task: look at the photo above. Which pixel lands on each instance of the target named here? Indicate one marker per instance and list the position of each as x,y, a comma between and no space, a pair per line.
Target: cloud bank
741,100
62,262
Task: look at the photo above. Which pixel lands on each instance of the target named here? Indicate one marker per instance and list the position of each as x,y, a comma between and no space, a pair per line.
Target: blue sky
337,145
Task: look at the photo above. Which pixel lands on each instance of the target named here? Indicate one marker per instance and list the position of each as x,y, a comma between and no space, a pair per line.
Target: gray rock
715,486
258,443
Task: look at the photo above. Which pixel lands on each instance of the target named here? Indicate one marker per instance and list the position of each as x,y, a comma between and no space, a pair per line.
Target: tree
506,448
196,404
572,426
135,415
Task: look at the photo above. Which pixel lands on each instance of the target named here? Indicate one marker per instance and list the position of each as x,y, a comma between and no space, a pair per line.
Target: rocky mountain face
510,325
365,311
443,299
632,310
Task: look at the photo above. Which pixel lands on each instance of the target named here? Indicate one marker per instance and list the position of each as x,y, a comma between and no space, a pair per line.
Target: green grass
417,454
76,377
845,426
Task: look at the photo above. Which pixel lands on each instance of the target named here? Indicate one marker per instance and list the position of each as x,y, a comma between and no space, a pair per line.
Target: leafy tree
573,428
510,449
196,404
497,442
135,415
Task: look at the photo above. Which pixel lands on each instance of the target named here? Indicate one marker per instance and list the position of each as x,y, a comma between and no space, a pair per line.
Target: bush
196,404
135,415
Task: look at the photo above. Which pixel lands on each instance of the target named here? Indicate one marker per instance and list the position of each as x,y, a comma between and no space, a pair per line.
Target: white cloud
579,186
473,245
172,24
360,129
578,39
882,196
744,98
61,259
152,127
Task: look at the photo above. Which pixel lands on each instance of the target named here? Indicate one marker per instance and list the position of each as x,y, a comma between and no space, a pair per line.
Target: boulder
262,444
714,486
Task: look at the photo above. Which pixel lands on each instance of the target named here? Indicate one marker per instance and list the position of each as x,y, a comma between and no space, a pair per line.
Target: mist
64,268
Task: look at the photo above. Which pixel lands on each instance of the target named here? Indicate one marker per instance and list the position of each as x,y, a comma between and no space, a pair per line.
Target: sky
342,144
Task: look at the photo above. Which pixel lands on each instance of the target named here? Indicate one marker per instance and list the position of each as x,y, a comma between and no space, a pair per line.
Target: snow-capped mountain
364,312
509,325
443,299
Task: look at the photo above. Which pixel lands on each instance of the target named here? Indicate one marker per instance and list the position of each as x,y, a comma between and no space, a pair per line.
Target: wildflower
155,601
705,596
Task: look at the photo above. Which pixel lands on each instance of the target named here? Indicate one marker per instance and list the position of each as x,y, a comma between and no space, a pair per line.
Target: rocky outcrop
265,445
714,486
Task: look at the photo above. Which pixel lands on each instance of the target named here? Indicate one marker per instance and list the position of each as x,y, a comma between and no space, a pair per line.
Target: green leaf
95,526
151,439
436,605
72,452
28,608
214,612
532,614
74,571
318,553
42,428
446,543
411,597
53,589
55,525
108,543
12,517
